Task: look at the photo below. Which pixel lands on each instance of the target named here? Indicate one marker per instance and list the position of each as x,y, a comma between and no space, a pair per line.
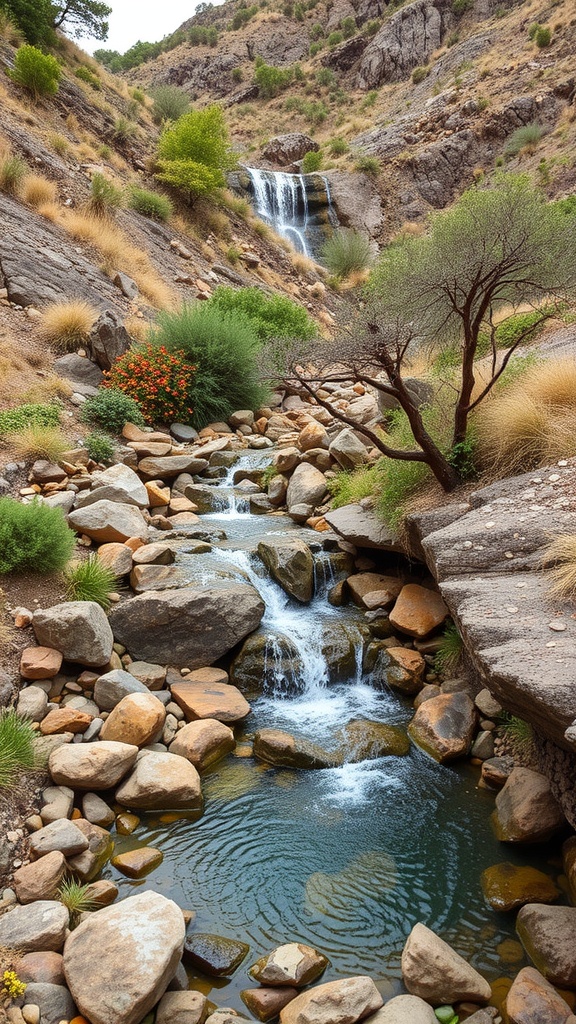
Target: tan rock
405,670
158,496
526,811
41,967
179,503
89,863
61,835
182,1008
407,1010
154,554
153,676
336,1002
109,521
40,663
434,971
171,465
116,557
137,863
40,879
293,964
102,892
265,1003
65,719
286,459
153,448
444,727
203,742
137,719
210,700
161,782
91,765
532,1000
418,611
548,935
387,589
313,435
34,927
153,577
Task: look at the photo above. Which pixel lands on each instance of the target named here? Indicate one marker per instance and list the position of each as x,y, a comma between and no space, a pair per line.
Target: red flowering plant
160,381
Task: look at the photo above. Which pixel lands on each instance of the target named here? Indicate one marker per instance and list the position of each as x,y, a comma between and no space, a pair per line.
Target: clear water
345,859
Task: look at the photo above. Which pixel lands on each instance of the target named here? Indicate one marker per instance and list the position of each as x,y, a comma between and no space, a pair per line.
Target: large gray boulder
91,765
117,483
291,563
348,450
78,629
161,782
287,149
548,935
526,811
119,962
113,686
192,627
406,40
36,926
109,339
434,971
362,527
307,486
107,520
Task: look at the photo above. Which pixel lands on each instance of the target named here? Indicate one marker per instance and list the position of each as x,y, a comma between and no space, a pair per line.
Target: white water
282,201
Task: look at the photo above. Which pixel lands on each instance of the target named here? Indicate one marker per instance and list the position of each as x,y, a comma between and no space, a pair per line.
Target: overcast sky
147,20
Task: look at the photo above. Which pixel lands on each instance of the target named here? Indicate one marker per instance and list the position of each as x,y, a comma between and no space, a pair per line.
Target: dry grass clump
138,328
559,558
37,441
47,390
532,421
50,211
36,190
66,325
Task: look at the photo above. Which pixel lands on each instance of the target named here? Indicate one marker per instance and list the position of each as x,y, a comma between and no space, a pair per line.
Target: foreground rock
182,1008
92,765
362,527
161,782
138,944
526,811
40,880
548,935
444,726
366,740
204,694
191,627
293,964
432,970
532,1000
106,521
203,742
137,719
405,1010
265,1003
38,926
78,629
291,564
418,611
214,955
335,1002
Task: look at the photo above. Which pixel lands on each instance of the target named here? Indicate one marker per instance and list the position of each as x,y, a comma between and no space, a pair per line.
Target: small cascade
233,505
297,206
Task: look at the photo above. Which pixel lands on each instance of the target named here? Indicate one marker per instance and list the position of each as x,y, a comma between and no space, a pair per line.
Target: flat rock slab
214,955
91,765
139,943
171,465
274,746
137,863
363,528
221,701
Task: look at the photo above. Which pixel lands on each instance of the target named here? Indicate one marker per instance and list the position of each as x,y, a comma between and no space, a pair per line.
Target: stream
345,859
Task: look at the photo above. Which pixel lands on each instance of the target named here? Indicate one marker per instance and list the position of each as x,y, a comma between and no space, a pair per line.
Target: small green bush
346,251
35,71
450,652
100,447
521,325
270,316
17,752
312,161
543,37
271,80
33,537
334,38
326,77
139,96
237,75
111,410
371,27
347,488
369,100
243,16
150,204
195,152
459,7
76,898
199,35
90,580
315,112
170,103
338,146
314,49
85,75
368,165
526,137
316,32
31,413
224,348
349,27
419,74
124,129
13,170
105,197
59,144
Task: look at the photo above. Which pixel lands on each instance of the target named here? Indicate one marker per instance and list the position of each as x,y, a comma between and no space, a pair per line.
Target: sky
147,20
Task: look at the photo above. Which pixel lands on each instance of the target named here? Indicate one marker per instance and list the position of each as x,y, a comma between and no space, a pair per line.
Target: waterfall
283,201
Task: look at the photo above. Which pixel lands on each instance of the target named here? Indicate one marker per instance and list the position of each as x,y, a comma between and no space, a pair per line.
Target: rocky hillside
433,91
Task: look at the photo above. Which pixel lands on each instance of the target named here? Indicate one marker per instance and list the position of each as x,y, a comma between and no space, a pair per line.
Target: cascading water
283,201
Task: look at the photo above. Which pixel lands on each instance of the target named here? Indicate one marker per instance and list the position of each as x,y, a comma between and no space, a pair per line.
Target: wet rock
113,686
59,835
405,671
404,1010
418,611
161,782
53,1001
365,741
139,943
532,1000
265,1003
91,765
284,750
291,564
40,663
362,527
137,863
307,486
444,727
204,623
39,926
78,629
496,771
432,970
214,955
170,466
203,742
569,862
138,719
182,1008
208,699
526,811
206,498
293,964
548,935
106,521
508,886
384,588
39,880
336,1002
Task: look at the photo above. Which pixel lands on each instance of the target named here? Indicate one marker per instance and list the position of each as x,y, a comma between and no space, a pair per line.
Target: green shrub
521,325
36,71
526,137
271,80
368,165
450,652
105,197
199,35
139,96
543,37
334,38
270,316
76,898
224,348
371,27
104,151
346,251
312,161
195,152
90,580
170,103
314,49
237,75
347,488
243,16
419,74
124,129
59,144
33,537
316,32
111,410
13,170
100,447
349,27
369,100
85,75
459,7
338,146
17,752
326,77
150,204
24,415
315,112
161,382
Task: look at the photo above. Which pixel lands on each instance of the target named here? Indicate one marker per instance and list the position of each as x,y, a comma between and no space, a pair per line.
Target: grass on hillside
37,191
559,560
17,752
39,442
67,325
90,580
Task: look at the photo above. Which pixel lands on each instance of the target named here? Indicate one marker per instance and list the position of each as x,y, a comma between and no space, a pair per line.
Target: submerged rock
214,955
265,1003
508,886
365,741
284,750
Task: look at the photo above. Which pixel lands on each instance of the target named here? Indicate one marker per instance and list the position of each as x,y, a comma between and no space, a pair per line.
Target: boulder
289,148
79,369
569,864
65,719
291,564
32,703
97,811
45,967
154,554
432,970
284,750
444,726
365,740
62,835
336,1002
57,802
40,879
405,40
509,886
138,719
313,435
362,527
526,811
293,964
203,742
161,782
182,1008
406,669
106,520
384,588
53,1001
404,1010
39,926
91,765
153,676
139,943
210,699
78,629
113,686
348,450
286,459
548,935
194,626
171,465
214,955
532,1000
139,862
307,486
418,611
119,484
109,339
265,1003
86,865
40,663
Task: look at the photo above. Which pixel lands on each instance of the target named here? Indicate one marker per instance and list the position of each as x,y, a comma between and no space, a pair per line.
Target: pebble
558,627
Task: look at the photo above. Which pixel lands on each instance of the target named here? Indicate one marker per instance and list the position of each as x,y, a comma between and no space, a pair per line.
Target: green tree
82,17
194,153
495,250
33,18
